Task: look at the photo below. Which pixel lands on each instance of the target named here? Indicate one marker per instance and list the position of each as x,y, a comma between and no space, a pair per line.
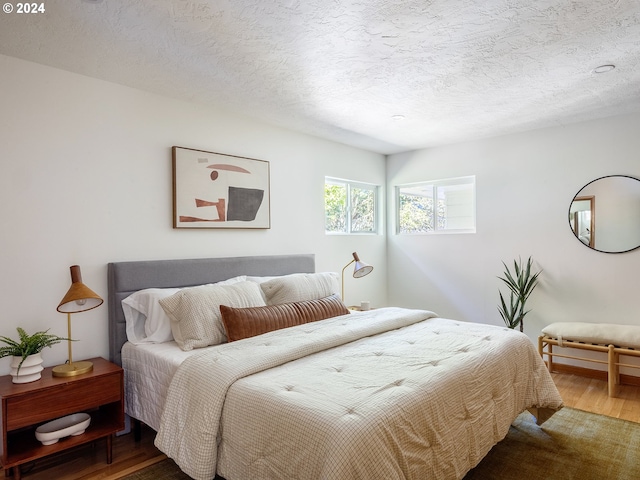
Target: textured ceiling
342,69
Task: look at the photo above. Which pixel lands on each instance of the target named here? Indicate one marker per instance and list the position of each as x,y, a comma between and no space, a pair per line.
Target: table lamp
360,270
79,298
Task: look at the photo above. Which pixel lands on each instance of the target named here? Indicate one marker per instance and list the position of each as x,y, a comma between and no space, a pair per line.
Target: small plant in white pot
27,361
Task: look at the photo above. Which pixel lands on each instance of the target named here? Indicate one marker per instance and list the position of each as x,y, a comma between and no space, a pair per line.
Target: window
350,207
440,206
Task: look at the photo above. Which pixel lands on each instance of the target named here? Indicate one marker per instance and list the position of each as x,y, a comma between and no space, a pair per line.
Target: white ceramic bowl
51,432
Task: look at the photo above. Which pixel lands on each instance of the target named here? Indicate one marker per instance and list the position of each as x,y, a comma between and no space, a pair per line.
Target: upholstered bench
614,340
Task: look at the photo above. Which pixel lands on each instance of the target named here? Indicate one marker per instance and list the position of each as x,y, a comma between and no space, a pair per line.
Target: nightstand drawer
60,400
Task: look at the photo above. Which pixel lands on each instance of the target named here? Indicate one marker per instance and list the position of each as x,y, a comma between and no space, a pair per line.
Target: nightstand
99,393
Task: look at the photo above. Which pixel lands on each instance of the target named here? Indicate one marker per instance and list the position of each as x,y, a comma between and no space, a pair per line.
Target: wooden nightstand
26,406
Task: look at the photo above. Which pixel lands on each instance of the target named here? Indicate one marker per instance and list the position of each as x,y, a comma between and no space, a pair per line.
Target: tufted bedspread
391,393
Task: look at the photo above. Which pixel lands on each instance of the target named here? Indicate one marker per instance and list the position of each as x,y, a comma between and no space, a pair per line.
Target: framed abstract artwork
214,190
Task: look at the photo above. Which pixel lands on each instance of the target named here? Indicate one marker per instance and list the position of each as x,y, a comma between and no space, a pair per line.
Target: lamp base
72,369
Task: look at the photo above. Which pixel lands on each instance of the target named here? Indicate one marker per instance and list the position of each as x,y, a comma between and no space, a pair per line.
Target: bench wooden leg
540,348
541,351
613,378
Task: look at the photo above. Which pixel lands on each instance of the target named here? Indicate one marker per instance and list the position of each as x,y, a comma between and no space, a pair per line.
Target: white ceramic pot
51,432
29,371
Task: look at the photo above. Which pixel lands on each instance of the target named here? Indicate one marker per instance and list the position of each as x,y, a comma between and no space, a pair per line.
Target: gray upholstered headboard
124,278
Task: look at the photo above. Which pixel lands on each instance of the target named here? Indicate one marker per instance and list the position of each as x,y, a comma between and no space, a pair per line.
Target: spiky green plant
28,344
521,284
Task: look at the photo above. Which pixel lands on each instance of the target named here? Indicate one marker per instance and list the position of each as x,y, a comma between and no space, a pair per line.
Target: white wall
85,178
525,184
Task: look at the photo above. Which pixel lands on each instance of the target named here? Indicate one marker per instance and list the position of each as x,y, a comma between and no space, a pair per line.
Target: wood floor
591,395
89,463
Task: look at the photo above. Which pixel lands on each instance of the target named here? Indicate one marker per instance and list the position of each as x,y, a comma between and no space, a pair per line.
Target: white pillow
300,287
261,279
146,321
195,312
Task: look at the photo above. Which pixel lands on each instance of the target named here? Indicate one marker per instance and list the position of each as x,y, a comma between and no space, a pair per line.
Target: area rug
571,445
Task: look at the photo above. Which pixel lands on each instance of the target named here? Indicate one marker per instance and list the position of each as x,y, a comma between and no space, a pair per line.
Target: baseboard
596,374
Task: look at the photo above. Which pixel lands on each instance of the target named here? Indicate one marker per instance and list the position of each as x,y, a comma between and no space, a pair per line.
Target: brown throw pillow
242,323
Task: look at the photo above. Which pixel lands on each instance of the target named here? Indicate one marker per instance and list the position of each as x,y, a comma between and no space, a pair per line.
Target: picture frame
217,190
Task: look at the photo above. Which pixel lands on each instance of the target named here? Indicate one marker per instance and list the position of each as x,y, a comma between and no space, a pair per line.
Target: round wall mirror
605,214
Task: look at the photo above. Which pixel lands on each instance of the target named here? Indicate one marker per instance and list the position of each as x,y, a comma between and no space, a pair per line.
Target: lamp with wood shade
79,298
359,270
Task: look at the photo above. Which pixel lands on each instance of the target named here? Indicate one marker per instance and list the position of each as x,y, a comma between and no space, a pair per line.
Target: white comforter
403,396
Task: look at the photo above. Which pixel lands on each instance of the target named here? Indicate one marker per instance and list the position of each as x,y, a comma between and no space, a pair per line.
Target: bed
390,393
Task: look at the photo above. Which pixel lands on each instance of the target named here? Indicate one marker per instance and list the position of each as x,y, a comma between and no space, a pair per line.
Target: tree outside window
350,207
437,207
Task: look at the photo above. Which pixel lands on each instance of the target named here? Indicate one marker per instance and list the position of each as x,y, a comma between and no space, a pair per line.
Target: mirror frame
578,197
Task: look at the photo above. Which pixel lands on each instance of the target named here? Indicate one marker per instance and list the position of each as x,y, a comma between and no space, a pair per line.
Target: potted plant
26,353
521,284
